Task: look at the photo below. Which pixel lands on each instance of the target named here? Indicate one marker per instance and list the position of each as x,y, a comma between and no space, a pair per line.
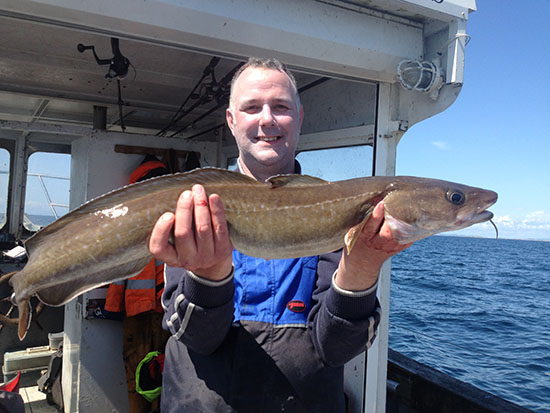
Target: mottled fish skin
287,217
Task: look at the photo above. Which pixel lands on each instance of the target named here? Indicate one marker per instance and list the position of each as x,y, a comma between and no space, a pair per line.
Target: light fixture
422,76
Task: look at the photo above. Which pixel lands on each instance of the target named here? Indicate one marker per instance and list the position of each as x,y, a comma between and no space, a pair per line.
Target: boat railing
42,179
51,204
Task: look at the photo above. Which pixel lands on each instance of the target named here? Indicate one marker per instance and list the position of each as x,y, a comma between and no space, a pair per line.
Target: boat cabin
88,89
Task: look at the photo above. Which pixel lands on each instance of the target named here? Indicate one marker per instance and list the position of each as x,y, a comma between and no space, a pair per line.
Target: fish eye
456,197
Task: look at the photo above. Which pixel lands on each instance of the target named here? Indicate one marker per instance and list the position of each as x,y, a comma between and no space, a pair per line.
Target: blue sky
494,136
496,133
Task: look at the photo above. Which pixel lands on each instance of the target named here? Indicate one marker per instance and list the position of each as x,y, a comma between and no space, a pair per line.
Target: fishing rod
218,91
209,69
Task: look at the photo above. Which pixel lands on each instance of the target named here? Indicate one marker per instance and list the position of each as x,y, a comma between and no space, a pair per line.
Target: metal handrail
50,203
45,189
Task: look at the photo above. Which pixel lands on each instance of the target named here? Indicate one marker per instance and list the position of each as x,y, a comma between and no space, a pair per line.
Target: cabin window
336,164
4,183
333,164
47,191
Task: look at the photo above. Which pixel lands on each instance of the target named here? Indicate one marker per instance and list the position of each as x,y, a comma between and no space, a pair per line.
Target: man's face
265,120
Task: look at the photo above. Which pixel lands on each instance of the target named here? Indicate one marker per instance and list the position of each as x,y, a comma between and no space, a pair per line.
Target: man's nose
266,116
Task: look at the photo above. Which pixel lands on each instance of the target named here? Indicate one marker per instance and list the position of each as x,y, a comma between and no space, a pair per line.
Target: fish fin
294,180
214,175
25,315
62,293
353,233
7,276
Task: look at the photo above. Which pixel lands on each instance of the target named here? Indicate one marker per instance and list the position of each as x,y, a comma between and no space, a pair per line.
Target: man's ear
230,120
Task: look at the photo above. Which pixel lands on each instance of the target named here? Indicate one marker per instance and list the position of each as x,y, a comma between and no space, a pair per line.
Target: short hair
265,63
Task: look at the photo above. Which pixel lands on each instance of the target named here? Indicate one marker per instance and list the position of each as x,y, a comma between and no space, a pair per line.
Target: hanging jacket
138,294
142,292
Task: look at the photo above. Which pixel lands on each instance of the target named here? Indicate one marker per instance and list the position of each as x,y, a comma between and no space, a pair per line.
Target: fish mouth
483,216
475,218
480,214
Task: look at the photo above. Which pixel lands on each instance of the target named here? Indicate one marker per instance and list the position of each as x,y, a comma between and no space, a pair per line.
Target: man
254,335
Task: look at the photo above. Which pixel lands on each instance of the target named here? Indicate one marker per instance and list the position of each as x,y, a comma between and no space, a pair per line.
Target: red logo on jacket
296,306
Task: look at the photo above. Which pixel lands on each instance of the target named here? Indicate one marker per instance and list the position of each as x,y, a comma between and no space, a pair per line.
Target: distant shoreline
496,239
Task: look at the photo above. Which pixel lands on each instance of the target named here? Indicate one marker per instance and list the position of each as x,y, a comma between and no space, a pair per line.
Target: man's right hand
201,236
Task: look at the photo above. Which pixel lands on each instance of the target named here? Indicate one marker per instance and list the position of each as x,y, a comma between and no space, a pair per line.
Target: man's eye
251,109
281,108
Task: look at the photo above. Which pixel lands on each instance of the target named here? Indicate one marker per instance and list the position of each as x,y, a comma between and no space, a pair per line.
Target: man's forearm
198,312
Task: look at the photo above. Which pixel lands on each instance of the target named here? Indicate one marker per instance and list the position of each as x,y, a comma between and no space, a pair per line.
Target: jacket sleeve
342,323
197,312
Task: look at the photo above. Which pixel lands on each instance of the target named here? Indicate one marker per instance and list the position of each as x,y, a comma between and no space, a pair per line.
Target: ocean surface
479,310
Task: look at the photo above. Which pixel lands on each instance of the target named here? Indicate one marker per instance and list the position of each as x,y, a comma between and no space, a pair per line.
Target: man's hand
359,270
201,236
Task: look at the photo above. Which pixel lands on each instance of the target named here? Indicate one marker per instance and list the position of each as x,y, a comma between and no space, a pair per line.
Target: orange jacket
141,292
142,170
138,294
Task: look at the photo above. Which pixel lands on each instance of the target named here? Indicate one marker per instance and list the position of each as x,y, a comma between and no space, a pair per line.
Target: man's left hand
359,270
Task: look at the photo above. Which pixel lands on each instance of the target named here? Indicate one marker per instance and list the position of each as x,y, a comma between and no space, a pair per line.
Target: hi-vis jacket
138,294
142,292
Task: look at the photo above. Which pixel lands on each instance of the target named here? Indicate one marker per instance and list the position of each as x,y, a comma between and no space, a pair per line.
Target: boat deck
35,401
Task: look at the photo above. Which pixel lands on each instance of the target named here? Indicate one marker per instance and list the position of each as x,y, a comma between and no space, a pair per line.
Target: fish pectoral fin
353,233
25,315
294,180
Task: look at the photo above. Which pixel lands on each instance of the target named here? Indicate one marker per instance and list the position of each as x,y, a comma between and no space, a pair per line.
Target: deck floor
35,400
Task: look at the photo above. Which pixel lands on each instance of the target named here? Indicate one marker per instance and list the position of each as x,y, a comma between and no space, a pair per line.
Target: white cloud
536,218
505,221
441,145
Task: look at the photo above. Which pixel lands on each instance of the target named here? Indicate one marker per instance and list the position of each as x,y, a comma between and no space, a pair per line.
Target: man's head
265,117
267,64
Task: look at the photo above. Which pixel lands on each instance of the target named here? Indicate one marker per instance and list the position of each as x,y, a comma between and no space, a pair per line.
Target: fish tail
25,315
24,307
6,277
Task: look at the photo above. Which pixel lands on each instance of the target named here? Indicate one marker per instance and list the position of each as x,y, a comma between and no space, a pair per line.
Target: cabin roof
45,80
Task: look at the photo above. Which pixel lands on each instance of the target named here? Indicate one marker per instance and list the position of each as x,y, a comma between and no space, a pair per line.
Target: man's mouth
267,138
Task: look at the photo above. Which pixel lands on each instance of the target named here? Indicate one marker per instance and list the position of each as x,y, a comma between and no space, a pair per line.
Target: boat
106,83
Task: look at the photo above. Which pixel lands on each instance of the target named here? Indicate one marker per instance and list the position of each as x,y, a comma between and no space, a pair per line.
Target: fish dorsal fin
179,181
216,175
294,180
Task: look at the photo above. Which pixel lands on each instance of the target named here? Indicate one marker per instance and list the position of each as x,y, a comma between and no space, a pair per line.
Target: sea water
478,310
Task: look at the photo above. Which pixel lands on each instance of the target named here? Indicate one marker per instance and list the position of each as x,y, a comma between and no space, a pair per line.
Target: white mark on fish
114,212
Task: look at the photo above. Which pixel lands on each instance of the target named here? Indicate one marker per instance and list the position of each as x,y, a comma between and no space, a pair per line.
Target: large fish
288,216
